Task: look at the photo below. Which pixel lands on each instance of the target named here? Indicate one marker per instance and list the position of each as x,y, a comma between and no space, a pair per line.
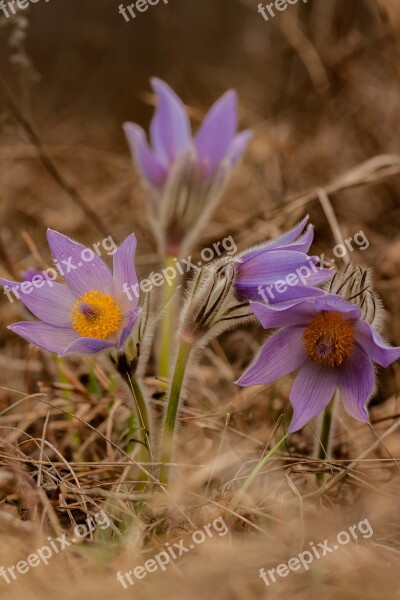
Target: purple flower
183,175
331,346
281,269
92,311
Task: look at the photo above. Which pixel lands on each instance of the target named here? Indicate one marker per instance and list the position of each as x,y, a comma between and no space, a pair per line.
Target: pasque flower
90,312
280,269
325,339
184,175
219,296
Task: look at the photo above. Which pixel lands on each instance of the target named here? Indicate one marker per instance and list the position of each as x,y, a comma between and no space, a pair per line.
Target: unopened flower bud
354,284
212,306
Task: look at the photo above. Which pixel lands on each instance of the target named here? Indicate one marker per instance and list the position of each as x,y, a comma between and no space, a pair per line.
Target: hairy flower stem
185,349
240,493
167,324
323,446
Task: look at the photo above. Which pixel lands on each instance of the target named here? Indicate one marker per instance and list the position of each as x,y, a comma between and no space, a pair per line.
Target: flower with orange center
92,311
325,339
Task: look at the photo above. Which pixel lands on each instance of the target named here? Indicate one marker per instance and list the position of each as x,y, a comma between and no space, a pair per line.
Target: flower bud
354,284
212,306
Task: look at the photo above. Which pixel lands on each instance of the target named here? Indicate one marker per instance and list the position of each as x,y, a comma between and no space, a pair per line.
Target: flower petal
216,134
82,269
334,303
303,243
271,268
51,302
170,128
124,273
130,322
267,265
311,393
54,339
284,314
281,354
356,383
289,236
239,145
87,346
148,164
374,346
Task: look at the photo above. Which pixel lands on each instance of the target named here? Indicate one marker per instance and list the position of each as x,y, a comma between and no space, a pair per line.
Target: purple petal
30,274
148,164
51,302
54,339
303,243
266,266
170,128
374,346
284,314
290,236
281,354
130,322
298,293
216,134
239,145
83,269
334,303
356,383
270,267
311,393
87,346
125,273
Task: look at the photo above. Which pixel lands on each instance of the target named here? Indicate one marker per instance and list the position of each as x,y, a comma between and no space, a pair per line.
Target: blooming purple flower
88,314
183,175
280,269
332,347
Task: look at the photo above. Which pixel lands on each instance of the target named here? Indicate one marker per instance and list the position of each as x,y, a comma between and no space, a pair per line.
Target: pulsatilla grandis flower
280,270
88,314
331,346
185,176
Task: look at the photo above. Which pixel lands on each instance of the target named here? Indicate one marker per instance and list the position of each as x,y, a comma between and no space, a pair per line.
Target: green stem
172,408
323,447
141,405
143,417
240,493
167,325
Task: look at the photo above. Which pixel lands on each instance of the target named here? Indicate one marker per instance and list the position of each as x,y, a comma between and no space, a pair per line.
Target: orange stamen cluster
96,315
329,339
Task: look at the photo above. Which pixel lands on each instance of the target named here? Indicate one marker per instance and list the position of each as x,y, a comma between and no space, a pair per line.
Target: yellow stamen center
96,315
329,340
